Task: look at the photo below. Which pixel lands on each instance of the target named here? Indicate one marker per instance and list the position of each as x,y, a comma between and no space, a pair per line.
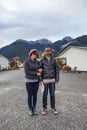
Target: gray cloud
35,19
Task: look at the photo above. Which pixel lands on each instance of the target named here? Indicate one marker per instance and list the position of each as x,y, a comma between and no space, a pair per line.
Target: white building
3,62
75,56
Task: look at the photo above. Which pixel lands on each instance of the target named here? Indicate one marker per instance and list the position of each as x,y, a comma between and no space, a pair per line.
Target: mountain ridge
22,47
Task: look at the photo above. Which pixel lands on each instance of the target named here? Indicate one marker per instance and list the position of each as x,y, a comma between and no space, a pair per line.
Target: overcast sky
36,19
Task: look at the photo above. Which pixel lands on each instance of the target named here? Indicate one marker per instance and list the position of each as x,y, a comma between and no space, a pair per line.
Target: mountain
58,45
21,47
80,41
67,41
44,41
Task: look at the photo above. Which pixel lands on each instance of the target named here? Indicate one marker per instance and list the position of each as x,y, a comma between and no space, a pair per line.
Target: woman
32,80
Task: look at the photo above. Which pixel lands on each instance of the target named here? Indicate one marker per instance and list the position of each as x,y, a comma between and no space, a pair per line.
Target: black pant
32,89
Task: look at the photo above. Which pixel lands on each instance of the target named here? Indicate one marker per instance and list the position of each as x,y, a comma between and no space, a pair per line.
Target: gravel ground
71,102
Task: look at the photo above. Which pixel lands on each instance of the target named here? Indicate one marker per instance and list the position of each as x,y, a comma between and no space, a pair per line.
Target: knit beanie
33,51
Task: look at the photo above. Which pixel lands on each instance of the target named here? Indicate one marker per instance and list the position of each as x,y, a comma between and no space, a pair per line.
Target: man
50,75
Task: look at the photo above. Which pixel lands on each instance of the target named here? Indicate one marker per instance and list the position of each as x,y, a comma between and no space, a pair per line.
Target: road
71,102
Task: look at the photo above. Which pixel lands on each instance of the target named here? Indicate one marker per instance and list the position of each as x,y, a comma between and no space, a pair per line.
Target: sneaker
30,113
44,111
54,111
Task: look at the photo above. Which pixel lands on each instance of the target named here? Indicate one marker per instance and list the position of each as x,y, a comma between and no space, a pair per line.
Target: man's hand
40,70
56,81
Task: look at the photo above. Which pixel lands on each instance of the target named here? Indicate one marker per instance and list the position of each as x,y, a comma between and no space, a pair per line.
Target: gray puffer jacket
31,69
50,69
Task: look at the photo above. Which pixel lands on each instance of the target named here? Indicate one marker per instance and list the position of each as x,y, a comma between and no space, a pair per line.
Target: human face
47,51
34,56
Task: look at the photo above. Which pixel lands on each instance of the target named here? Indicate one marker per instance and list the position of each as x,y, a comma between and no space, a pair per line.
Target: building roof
68,47
4,57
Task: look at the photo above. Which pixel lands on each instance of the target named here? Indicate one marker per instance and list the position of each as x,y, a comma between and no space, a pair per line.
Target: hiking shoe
44,111
54,111
30,113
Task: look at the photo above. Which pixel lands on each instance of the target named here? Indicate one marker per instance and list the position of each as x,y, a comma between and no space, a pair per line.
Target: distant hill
79,41
21,47
67,41
58,45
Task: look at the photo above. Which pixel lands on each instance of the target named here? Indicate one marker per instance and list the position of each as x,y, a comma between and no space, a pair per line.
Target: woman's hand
38,74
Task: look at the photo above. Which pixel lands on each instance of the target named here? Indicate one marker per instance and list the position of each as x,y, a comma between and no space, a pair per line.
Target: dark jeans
32,89
51,87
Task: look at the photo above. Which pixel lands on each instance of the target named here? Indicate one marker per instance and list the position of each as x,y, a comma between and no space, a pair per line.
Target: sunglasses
47,50
35,54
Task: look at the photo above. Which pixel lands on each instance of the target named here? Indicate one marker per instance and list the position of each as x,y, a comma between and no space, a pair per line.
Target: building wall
76,57
3,62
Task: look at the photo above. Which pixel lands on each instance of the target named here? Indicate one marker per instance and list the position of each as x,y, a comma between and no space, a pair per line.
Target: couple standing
47,71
